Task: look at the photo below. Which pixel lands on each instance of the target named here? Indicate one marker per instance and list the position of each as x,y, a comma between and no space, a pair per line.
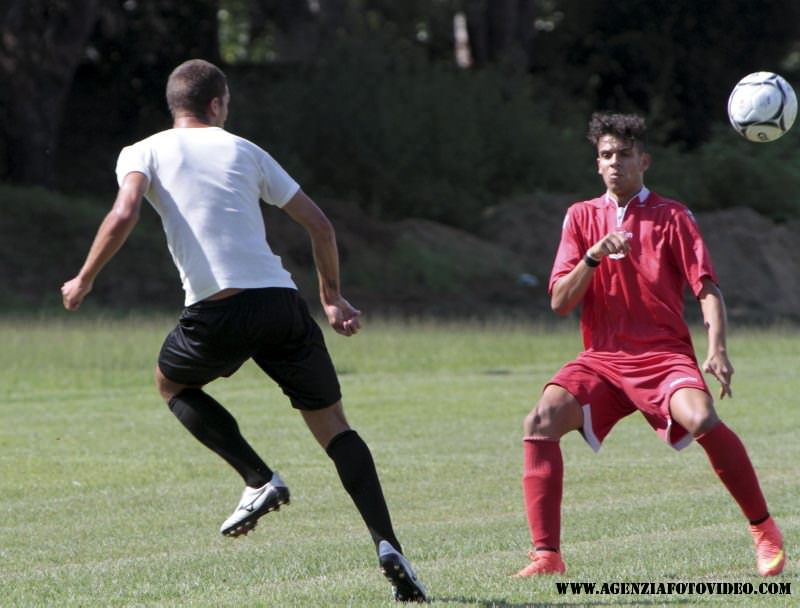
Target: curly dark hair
625,126
192,86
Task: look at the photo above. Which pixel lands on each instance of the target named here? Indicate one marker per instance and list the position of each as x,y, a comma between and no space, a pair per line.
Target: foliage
46,237
729,171
134,502
41,43
378,124
674,61
361,100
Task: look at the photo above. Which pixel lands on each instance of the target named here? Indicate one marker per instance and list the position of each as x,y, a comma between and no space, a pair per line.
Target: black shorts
272,326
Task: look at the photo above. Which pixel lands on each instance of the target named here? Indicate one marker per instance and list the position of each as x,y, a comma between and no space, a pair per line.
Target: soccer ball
762,106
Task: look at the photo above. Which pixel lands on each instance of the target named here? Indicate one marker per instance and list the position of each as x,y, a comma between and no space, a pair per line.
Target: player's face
621,165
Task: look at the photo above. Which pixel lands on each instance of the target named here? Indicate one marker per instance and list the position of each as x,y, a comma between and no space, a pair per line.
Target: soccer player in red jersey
626,258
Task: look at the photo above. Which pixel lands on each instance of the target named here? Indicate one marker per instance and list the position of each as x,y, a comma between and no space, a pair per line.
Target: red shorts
609,387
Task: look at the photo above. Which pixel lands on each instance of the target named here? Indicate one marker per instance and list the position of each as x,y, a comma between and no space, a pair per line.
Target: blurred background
444,137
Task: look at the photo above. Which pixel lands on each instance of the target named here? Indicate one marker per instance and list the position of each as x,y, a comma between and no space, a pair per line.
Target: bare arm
715,319
342,316
111,235
570,289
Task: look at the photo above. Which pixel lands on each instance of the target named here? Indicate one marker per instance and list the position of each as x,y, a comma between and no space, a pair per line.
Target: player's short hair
192,86
630,127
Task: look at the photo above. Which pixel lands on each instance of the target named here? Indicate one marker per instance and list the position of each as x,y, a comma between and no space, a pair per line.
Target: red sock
730,461
542,485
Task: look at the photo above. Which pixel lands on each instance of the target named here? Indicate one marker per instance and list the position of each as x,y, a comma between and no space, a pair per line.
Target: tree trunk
41,44
500,31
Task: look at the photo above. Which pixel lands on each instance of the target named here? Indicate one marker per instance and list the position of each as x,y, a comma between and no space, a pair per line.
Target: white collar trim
642,196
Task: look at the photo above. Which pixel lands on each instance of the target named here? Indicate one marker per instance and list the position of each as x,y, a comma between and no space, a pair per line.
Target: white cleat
254,503
395,567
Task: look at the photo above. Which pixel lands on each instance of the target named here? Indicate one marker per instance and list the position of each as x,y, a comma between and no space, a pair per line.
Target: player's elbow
560,306
321,229
708,288
125,216
126,209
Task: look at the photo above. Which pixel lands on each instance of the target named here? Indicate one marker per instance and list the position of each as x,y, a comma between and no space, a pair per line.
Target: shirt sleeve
570,249
277,186
690,251
133,158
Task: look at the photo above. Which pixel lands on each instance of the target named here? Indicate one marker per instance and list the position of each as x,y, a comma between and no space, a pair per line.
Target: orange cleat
543,562
770,556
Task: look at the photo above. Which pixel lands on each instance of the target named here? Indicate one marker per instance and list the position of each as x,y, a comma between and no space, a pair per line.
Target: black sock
356,469
217,429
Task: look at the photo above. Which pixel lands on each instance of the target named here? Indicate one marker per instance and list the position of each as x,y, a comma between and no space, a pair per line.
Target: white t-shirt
206,183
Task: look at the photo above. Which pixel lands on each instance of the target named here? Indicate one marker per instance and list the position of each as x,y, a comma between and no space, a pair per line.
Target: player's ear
214,106
645,162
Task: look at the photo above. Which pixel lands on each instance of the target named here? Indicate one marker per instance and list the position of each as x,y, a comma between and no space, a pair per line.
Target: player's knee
698,420
547,419
694,411
166,388
703,422
166,395
556,414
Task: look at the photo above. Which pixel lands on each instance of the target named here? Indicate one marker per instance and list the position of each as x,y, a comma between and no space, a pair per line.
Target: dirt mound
419,267
409,267
757,262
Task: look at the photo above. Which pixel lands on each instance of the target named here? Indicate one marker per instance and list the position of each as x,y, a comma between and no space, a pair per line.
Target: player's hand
74,291
614,243
342,316
718,365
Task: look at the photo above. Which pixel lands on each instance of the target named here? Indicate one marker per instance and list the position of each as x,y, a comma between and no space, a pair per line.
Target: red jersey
634,304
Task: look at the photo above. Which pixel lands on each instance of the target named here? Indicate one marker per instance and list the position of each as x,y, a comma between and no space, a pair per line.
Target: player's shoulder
587,205
667,205
247,146
152,142
656,201
586,208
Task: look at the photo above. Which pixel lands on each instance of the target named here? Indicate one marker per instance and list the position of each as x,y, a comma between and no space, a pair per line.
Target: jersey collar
642,196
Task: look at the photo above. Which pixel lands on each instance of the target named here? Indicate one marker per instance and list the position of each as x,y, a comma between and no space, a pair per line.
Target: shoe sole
406,590
525,573
246,525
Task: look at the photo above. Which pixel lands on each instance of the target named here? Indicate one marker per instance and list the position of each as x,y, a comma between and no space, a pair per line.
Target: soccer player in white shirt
240,303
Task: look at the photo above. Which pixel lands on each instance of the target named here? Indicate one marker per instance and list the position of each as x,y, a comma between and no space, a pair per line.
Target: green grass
107,501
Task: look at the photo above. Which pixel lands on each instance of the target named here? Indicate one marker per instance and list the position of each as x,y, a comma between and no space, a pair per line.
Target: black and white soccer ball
762,106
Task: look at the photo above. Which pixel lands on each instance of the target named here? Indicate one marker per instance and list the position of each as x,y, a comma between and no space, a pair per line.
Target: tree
41,44
44,42
139,45
501,31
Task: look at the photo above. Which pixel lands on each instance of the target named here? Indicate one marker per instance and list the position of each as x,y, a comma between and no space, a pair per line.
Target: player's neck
190,121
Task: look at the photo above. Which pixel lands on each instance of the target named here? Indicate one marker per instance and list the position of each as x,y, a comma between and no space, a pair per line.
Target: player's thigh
600,401
556,413
191,356
301,364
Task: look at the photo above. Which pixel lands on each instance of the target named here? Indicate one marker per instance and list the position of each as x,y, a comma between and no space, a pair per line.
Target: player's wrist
590,260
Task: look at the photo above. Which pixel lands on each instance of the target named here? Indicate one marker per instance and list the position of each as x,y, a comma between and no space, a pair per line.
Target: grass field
107,501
